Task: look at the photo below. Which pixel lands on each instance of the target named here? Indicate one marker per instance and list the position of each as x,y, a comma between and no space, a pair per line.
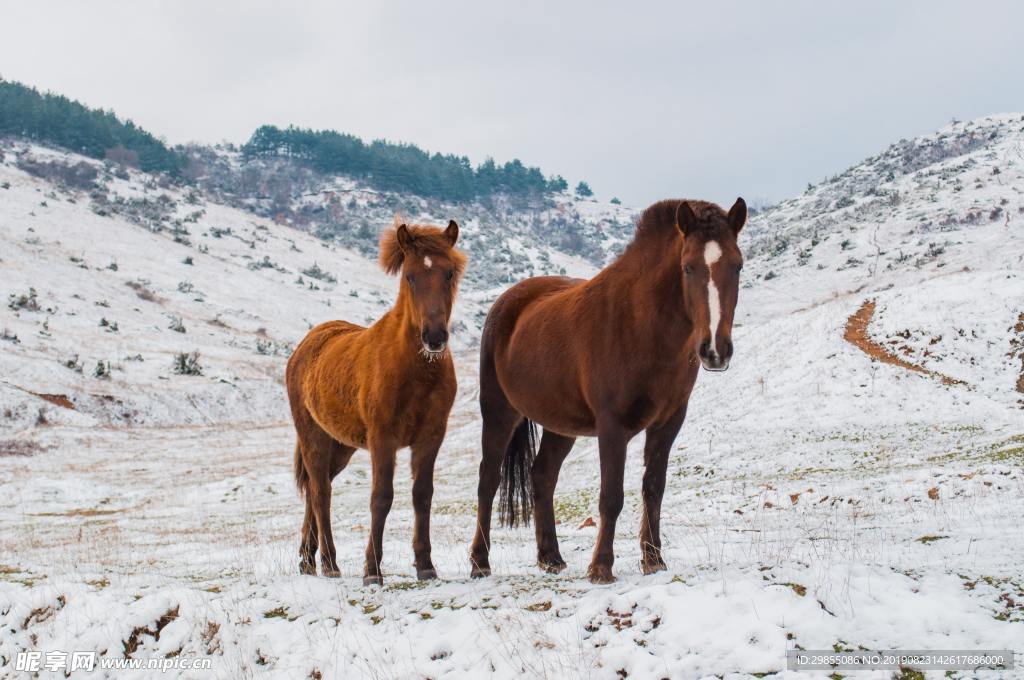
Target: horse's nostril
705,347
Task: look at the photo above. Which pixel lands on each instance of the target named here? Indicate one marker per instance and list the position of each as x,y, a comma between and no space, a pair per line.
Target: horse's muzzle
434,340
712,360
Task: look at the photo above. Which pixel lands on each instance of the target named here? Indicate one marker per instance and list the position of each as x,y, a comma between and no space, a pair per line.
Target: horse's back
510,305
317,338
312,348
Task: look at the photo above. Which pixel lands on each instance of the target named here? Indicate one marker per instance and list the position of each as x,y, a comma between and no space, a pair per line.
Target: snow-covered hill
508,237
853,481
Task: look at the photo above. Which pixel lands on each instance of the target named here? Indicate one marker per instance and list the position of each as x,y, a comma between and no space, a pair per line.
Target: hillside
509,235
853,480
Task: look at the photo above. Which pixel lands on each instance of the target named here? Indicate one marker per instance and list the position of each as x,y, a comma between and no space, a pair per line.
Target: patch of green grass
574,505
909,674
455,508
1009,451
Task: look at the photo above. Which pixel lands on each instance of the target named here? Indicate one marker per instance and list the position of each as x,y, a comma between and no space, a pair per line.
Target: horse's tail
515,504
301,476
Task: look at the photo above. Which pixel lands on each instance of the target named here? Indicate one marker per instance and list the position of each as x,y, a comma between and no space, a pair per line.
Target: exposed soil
57,400
857,335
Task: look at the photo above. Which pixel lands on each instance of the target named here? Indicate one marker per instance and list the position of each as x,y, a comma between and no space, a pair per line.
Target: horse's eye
450,275
687,269
408,277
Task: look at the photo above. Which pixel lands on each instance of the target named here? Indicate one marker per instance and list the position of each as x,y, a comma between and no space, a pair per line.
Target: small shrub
846,244
142,291
186,287
102,370
27,301
188,261
187,363
176,324
315,272
109,325
74,364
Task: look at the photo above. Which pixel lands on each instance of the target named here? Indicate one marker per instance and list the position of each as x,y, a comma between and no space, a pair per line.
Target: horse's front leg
423,457
381,496
611,442
656,453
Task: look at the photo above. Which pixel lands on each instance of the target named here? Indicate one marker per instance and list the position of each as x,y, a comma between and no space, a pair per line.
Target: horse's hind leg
499,423
322,459
308,545
553,450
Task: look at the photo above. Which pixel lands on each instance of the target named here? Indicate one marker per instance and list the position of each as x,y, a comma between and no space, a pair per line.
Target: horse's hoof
426,574
332,573
480,572
649,568
600,575
551,566
377,580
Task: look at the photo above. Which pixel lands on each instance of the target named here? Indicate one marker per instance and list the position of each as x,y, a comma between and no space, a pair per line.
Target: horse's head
431,268
710,262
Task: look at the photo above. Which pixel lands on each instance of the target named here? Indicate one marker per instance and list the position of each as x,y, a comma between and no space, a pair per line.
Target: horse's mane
659,220
424,240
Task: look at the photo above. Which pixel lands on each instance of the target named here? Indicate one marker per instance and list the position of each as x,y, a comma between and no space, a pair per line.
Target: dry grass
19,447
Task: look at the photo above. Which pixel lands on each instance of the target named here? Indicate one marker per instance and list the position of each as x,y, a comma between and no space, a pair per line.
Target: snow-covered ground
818,499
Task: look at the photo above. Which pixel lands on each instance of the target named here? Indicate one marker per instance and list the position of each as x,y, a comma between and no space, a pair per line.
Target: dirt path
857,335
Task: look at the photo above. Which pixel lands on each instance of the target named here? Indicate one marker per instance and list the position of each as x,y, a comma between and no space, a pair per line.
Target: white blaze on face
712,252
427,262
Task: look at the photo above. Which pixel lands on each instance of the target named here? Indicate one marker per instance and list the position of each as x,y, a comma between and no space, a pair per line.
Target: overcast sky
643,100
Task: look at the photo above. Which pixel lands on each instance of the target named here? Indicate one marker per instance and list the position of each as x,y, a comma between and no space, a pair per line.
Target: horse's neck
650,279
398,322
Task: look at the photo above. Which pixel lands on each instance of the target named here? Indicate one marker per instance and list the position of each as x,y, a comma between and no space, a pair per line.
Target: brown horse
608,357
379,388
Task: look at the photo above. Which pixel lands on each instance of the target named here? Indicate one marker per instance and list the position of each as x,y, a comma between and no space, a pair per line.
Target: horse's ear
391,251
686,220
452,232
738,215
404,238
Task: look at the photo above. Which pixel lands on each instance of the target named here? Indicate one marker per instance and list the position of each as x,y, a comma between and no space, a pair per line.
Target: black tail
515,504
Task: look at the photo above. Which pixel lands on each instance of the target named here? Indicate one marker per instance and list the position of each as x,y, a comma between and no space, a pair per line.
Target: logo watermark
895,659
57,660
